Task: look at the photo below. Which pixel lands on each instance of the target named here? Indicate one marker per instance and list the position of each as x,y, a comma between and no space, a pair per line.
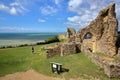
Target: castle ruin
99,37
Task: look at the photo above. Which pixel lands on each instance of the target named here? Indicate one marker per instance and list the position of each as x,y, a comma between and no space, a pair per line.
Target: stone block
68,48
53,51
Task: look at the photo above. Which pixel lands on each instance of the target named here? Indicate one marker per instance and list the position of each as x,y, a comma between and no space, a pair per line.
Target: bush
52,39
40,43
22,45
9,46
2,47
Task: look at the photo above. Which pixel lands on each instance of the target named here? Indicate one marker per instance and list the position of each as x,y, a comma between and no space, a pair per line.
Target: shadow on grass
62,70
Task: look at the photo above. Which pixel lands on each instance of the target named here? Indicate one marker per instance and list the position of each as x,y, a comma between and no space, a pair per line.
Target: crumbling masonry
99,37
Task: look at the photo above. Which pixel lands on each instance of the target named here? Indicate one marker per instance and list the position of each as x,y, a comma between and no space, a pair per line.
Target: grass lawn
21,59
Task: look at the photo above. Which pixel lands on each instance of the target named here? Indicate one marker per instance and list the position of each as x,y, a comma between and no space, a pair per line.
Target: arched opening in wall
88,41
88,35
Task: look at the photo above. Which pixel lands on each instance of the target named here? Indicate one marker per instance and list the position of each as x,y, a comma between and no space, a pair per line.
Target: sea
16,39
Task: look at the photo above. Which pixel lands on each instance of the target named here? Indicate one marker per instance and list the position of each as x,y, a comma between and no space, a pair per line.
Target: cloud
16,7
48,10
93,6
14,4
14,29
11,10
74,5
41,20
77,21
87,10
57,2
74,19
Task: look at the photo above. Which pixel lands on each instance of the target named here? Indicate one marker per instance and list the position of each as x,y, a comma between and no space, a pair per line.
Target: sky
50,15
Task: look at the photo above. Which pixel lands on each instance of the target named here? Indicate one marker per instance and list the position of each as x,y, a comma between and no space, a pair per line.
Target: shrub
2,47
52,39
9,46
22,45
40,43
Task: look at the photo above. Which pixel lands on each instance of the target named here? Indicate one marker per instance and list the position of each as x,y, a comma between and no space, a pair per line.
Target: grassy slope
21,59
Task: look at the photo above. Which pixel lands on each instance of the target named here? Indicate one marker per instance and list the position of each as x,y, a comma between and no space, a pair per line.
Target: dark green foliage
9,46
2,47
40,43
49,40
52,39
23,45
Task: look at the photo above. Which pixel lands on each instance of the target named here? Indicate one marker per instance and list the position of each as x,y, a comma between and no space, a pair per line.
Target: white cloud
74,5
11,10
3,7
41,20
48,10
87,10
74,19
14,29
57,2
14,4
16,7
93,6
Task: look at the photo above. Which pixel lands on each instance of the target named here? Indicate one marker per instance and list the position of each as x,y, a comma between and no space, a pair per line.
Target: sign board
54,66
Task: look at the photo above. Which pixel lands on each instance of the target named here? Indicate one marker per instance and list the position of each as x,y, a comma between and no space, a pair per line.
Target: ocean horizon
16,39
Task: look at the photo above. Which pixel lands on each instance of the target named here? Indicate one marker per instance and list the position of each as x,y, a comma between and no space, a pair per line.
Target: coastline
5,43
10,40
19,43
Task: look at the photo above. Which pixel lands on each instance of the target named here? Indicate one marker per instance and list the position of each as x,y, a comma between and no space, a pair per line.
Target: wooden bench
56,67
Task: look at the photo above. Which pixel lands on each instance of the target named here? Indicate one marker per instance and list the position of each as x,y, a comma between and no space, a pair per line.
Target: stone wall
104,30
70,32
61,50
53,51
89,43
111,67
68,48
104,39
62,36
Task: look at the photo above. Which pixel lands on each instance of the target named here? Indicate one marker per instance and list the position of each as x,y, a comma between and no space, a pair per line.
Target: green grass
21,59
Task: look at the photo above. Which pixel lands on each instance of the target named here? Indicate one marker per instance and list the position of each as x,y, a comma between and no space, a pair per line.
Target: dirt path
30,75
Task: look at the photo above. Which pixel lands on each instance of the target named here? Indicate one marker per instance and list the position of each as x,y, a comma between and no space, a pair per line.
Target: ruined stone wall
111,67
68,48
61,50
78,47
88,43
70,32
104,39
104,30
53,51
62,36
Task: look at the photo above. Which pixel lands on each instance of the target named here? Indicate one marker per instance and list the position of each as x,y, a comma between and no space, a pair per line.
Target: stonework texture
70,32
103,31
62,37
111,67
68,48
61,50
100,36
53,51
